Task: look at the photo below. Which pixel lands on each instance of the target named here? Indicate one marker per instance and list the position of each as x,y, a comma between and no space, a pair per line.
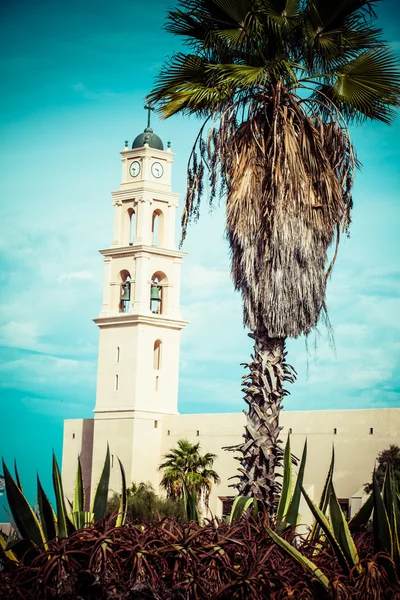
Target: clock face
157,170
134,169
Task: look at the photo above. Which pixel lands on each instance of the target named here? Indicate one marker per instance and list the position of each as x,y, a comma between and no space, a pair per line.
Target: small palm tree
185,463
278,82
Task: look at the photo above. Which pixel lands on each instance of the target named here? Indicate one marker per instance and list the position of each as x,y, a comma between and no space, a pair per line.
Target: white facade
136,410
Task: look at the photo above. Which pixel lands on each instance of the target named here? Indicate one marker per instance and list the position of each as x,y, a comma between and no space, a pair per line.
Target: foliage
170,561
278,82
248,558
339,534
185,465
145,505
36,529
331,528
389,457
287,514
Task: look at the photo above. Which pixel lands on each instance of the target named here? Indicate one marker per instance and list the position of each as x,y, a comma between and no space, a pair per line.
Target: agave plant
34,529
385,508
287,514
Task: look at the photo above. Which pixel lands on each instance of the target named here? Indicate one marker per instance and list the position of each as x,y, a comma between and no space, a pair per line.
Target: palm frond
186,85
367,87
248,77
337,31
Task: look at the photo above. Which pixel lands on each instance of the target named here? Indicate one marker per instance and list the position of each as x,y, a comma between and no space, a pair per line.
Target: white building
140,321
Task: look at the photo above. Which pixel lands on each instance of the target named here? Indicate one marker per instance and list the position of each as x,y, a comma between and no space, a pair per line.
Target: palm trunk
261,451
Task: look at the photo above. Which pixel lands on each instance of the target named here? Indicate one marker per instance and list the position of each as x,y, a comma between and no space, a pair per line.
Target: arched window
126,289
158,289
157,355
132,226
157,224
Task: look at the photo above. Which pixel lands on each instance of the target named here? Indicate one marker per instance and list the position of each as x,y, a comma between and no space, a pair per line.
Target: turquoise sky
73,76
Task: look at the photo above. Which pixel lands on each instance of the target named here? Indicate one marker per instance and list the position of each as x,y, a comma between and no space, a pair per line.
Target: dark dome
150,138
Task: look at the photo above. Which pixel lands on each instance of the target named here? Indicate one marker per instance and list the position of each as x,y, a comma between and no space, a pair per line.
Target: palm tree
278,82
185,463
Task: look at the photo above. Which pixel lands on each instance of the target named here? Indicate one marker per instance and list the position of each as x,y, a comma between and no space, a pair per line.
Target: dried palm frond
287,175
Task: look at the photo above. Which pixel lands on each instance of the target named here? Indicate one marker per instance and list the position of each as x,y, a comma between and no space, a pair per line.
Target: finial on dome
148,136
149,108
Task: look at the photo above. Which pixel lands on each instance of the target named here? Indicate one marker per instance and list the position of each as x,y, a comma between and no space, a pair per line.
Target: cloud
79,275
59,379
89,94
19,335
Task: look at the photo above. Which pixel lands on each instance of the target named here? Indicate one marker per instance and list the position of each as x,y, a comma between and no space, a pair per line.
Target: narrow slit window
371,431
112,460
116,383
155,424
118,354
169,432
157,355
157,227
73,436
334,430
290,430
157,383
197,433
132,227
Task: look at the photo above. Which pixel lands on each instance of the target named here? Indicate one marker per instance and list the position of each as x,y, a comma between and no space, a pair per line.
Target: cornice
124,319
142,250
148,152
141,193
136,412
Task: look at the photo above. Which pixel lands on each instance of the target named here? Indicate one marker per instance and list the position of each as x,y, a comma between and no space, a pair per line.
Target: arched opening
132,226
157,224
157,355
158,293
126,288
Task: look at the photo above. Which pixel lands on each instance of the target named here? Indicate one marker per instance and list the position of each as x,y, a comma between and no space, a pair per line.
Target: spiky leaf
324,500
101,495
342,533
324,524
62,519
81,518
239,508
300,558
292,518
17,477
8,553
47,515
286,492
361,518
24,550
79,492
381,526
24,516
123,502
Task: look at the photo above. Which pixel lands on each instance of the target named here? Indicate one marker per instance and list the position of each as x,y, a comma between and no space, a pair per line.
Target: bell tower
140,319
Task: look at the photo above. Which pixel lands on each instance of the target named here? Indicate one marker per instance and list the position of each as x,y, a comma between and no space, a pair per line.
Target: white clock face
157,170
134,169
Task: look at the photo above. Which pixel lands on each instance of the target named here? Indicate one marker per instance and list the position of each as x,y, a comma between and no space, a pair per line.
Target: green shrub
145,505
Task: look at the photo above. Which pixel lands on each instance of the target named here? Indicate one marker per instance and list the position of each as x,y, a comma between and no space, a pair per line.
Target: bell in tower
155,298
